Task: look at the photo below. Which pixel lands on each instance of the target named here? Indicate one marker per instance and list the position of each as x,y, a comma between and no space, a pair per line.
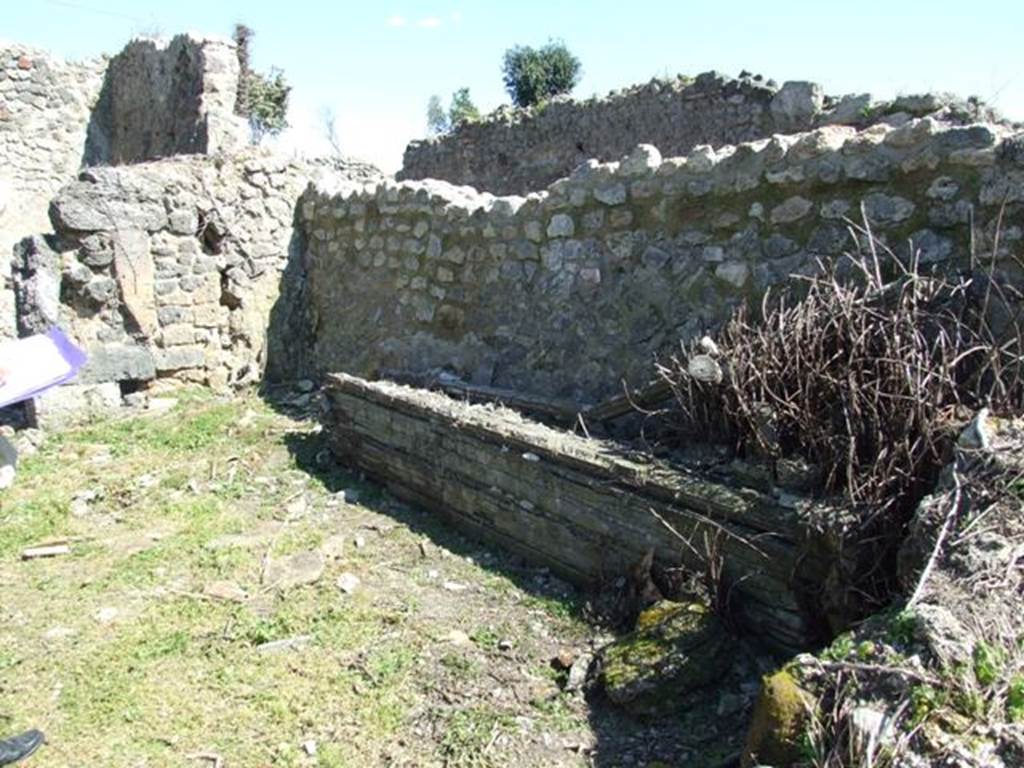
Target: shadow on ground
695,737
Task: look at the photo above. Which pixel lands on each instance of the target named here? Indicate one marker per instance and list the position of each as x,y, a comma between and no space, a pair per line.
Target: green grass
469,734
171,673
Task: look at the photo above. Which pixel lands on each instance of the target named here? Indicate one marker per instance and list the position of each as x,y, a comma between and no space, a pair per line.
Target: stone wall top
168,97
516,151
566,292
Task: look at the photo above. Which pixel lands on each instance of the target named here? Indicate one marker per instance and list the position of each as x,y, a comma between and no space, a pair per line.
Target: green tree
262,98
462,109
268,103
533,75
437,120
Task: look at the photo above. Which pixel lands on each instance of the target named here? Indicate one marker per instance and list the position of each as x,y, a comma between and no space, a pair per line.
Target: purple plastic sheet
38,363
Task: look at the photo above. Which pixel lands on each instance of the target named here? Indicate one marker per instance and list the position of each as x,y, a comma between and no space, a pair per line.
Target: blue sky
376,64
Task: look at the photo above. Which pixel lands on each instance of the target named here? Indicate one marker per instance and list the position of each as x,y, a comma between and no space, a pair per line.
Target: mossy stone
780,717
676,648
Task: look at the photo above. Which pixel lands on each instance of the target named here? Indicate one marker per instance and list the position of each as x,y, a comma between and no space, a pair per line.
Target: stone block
74,404
178,358
117,362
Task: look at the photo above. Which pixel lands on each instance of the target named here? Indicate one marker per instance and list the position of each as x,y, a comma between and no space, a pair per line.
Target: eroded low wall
569,291
518,151
168,269
586,508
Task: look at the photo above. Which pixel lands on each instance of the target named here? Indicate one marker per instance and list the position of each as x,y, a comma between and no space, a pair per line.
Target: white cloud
396,21
429,22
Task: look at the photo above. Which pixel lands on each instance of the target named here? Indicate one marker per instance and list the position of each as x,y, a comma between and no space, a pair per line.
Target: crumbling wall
162,98
45,105
166,269
154,99
517,151
569,291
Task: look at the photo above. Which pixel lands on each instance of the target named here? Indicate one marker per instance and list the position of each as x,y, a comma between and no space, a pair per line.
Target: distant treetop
533,75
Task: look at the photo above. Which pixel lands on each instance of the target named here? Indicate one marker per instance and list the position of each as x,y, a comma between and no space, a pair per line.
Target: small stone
454,586
505,645
643,160
712,253
735,273
294,571
304,385
333,547
796,104
296,508
309,747
161,404
887,209
458,637
359,541
106,615
676,648
348,496
578,672
225,590
287,644
561,225
613,195
59,633
793,209
348,582
704,368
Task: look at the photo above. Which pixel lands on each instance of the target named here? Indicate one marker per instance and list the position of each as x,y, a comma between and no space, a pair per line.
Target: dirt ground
233,598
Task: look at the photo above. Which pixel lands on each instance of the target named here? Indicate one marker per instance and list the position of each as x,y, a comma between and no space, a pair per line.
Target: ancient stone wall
518,151
162,98
154,99
45,106
568,291
166,269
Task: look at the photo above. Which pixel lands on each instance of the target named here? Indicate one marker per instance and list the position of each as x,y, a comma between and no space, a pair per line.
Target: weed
988,663
486,637
903,628
1015,699
841,648
924,701
469,734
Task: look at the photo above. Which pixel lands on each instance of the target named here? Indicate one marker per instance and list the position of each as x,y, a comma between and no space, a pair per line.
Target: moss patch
676,649
779,719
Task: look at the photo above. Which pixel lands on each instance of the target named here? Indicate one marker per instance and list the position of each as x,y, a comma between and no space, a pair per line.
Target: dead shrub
863,370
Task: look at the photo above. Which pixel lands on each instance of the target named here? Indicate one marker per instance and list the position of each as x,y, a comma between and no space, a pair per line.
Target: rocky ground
200,585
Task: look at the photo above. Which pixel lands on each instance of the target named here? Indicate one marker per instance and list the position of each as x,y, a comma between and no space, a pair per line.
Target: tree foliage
533,75
268,103
262,98
437,119
461,110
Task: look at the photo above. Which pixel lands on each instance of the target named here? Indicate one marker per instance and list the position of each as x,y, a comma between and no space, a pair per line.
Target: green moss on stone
779,720
677,648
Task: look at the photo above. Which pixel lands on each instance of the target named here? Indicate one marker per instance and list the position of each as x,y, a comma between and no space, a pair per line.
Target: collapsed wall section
45,106
517,151
167,269
569,291
162,98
